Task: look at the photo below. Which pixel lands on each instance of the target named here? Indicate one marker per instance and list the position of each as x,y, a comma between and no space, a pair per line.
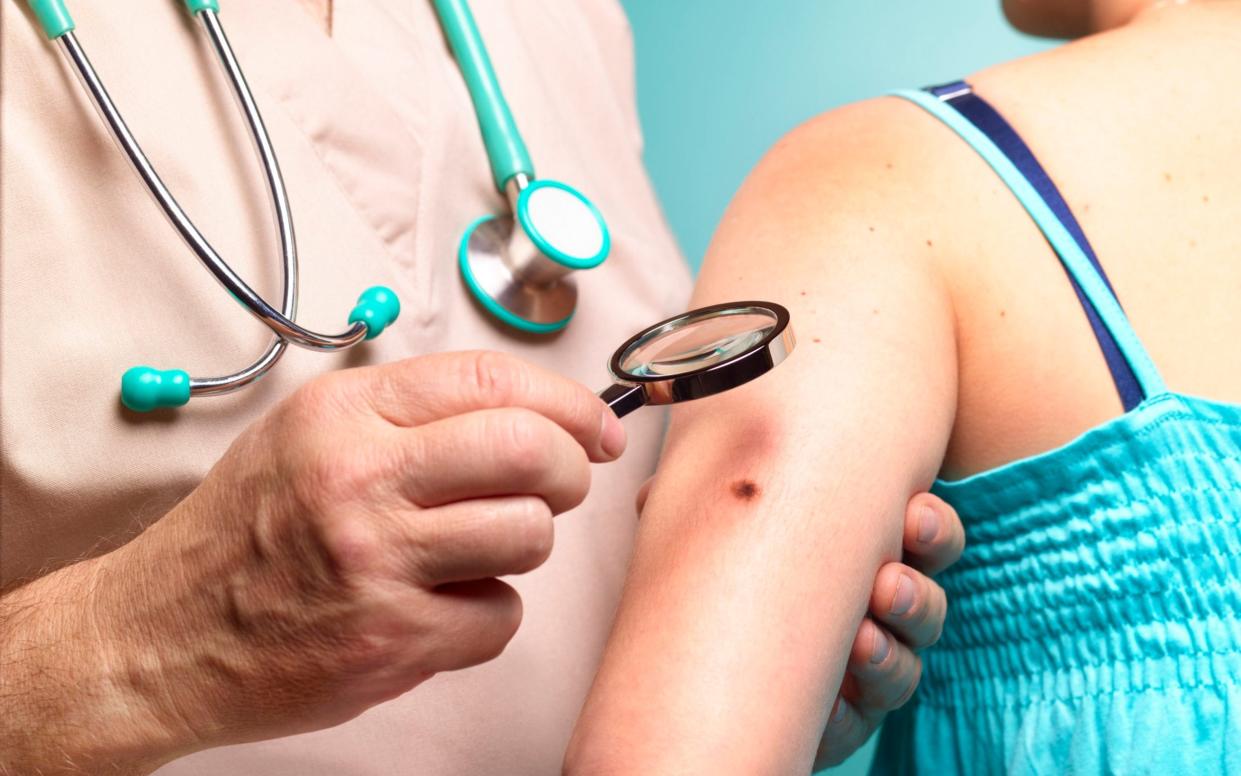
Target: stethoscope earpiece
377,307
145,388
517,266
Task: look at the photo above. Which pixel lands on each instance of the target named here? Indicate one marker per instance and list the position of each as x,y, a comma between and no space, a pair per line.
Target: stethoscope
519,274
145,388
518,265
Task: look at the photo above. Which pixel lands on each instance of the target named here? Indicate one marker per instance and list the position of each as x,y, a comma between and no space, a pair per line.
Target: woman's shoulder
881,166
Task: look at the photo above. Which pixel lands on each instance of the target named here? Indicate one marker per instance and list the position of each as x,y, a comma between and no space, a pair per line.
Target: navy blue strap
979,112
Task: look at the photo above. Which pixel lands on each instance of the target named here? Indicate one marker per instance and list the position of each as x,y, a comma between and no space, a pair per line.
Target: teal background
719,81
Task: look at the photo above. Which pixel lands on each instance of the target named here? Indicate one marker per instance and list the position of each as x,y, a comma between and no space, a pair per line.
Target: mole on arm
745,490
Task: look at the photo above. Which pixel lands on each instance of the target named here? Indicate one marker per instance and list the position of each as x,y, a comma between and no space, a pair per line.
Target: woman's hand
907,612
345,549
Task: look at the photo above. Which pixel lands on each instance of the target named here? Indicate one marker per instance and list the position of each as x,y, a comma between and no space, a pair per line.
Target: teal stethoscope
518,275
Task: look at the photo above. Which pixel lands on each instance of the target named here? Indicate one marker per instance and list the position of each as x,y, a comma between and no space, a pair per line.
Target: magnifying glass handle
623,398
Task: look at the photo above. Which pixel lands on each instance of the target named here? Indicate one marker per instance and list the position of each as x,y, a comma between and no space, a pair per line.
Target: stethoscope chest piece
519,266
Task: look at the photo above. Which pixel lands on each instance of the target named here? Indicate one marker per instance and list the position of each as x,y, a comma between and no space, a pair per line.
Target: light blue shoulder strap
1070,253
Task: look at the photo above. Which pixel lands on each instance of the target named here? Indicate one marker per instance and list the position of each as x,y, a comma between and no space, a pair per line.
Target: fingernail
903,601
880,648
928,524
841,709
611,434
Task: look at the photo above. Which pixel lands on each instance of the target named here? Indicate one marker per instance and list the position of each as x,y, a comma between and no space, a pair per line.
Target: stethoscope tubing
506,150
279,321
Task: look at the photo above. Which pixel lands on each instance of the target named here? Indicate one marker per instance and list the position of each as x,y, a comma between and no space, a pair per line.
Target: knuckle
841,739
919,611
325,477
927,618
938,620
503,626
526,439
495,377
350,547
863,644
884,592
533,533
370,650
915,677
890,682
958,541
581,482
319,399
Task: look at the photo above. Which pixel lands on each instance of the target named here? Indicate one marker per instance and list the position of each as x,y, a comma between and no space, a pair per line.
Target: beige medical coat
385,168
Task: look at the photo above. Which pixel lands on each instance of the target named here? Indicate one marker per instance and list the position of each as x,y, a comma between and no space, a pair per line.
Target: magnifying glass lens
698,354
697,344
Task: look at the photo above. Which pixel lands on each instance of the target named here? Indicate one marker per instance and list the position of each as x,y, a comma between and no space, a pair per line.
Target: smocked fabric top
1093,622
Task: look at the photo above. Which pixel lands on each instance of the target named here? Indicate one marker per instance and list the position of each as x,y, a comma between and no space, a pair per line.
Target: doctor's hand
343,550
906,614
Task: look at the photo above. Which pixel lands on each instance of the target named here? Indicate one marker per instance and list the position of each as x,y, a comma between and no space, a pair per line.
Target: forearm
71,703
751,573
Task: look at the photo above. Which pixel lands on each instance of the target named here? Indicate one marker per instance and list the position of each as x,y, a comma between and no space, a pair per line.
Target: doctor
195,590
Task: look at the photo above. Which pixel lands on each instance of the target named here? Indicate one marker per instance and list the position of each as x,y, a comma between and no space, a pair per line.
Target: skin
344,550
938,335
884,667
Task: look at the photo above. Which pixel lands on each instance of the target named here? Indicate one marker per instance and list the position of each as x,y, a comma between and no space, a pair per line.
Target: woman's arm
775,504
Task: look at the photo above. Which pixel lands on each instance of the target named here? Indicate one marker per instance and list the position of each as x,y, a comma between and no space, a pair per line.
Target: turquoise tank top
1094,619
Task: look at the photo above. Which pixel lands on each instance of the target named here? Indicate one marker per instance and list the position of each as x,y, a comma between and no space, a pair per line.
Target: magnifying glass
698,354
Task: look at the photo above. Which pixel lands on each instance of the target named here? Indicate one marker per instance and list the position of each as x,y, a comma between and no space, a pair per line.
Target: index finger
427,388
934,536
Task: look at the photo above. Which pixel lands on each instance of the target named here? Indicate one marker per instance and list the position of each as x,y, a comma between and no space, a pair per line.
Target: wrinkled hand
907,613
347,547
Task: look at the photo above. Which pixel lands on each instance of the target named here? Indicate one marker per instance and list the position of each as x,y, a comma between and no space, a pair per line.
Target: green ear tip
144,389
194,6
378,307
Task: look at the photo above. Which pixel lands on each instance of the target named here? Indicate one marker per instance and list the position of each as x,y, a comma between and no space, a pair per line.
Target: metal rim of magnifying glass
716,378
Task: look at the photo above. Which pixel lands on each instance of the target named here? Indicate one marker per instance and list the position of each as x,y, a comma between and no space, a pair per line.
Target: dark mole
745,490
871,228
